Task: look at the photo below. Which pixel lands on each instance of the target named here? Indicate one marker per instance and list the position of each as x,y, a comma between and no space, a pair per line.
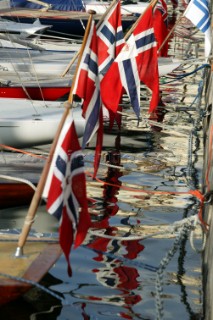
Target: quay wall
207,261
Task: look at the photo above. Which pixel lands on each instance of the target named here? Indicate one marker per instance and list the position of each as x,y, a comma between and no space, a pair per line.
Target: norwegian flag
162,7
160,24
100,51
136,62
110,42
147,60
110,38
65,191
87,87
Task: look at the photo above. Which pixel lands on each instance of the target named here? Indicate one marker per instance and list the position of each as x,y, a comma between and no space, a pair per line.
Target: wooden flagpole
97,26
70,64
80,53
105,13
39,190
152,3
170,32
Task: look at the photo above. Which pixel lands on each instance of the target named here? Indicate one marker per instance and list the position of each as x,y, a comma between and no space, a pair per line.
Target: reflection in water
109,278
114,274
158,116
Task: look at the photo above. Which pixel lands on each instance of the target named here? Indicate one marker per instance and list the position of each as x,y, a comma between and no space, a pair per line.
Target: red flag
100,51
161,27
66,191
136,62
110,42
87,87
110,38
147,60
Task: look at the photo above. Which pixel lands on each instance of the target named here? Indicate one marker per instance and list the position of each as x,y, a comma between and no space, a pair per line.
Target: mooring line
35,284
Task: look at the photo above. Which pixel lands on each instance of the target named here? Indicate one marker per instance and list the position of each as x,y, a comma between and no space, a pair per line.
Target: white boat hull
41,67
36,68
32,128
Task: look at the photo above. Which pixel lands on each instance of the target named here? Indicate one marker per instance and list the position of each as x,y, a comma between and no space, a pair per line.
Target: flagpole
97,26
29,219
71,63
170,32
152,3
105,13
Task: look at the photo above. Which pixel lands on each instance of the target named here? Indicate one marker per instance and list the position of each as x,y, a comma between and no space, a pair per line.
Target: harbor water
136,262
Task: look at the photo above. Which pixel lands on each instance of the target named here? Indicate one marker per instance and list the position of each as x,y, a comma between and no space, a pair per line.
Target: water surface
115,277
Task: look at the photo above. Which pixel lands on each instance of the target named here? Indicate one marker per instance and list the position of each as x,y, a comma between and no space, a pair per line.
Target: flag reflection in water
113,272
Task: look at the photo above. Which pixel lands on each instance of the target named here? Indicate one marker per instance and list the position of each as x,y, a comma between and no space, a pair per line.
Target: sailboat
68,18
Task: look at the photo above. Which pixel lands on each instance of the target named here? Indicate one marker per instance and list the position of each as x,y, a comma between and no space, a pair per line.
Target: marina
147,253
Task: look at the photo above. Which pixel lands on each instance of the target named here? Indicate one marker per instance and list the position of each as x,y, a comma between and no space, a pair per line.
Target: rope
180,77
36,77
16,71
190,147
192,237
196,193
3,146
172,229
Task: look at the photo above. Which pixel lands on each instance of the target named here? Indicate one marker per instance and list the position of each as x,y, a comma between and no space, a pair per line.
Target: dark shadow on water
33,303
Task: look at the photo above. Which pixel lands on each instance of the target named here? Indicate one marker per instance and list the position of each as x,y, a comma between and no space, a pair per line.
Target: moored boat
34,92
39,257
24,123
51,89
67,18
25,264
14,194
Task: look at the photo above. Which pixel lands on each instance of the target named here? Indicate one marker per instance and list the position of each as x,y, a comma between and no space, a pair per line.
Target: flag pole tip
91,11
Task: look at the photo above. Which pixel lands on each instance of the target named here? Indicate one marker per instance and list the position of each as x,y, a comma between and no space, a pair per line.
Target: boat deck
38,258
69,15
69,23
